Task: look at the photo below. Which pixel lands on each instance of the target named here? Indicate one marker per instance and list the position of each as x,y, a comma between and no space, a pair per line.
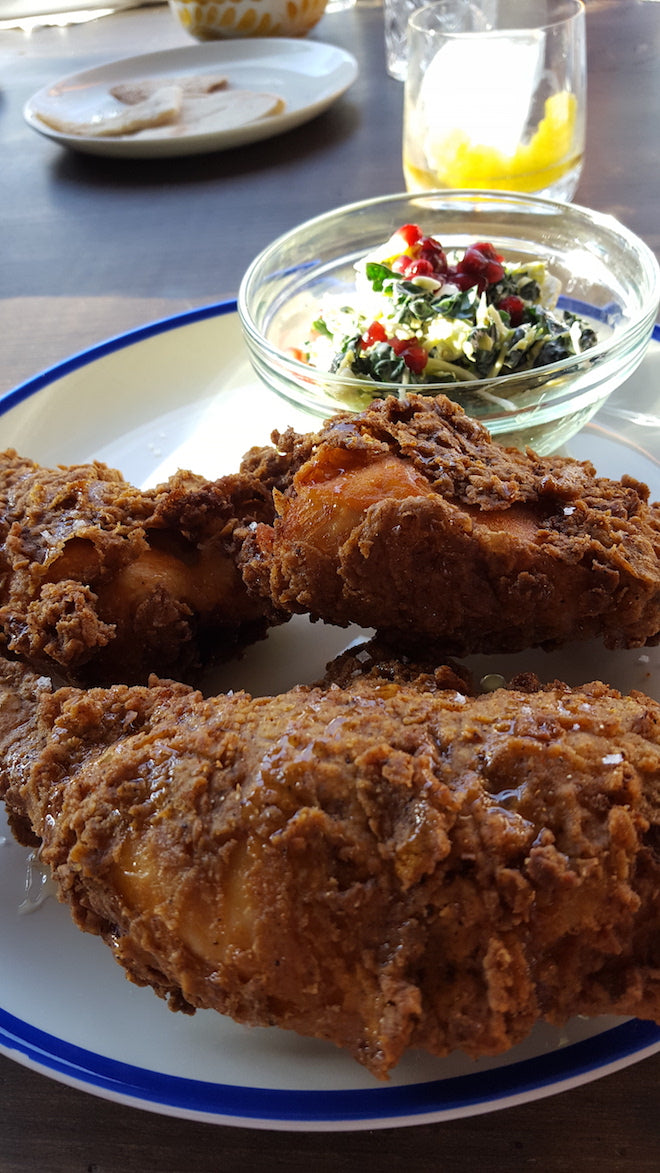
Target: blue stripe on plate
276,1104
608,313
84,357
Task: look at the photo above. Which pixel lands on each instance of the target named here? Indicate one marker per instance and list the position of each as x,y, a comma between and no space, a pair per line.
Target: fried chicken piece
408,518
102,582
386,865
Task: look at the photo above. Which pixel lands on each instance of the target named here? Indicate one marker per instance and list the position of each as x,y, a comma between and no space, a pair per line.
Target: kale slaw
421,316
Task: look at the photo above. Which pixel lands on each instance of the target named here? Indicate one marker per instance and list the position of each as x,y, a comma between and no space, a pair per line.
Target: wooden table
91,247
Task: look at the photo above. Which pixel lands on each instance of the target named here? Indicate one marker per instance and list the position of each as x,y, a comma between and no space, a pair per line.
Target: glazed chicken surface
409,519
383,861
103,582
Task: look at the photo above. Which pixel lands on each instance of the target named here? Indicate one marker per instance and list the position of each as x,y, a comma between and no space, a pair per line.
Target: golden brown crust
385,865
408,518
101,581
274,467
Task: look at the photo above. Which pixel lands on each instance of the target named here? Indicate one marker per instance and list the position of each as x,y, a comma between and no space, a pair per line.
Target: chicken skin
407,518
102,582
388,864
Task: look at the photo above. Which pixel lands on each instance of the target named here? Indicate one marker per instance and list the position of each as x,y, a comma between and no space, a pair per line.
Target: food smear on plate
134,91
422,315
202,104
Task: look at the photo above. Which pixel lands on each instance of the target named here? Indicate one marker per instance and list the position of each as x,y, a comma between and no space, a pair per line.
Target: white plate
308,75
181,392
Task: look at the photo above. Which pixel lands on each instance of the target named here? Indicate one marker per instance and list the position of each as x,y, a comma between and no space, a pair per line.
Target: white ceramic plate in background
182,393
308,75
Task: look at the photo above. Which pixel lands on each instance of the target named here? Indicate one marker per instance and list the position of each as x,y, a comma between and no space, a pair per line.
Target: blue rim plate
416,1103
165,385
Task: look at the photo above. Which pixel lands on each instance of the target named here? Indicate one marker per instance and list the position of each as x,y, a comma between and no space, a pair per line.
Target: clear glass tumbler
396,14
495,96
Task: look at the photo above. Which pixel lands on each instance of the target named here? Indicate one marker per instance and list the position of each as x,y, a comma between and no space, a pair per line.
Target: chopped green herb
321,328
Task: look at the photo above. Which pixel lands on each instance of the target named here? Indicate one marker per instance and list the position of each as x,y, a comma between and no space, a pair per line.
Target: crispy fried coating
385,865
408,518
103,582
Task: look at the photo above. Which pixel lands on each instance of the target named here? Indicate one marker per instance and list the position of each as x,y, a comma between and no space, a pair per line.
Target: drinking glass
495,96
396,14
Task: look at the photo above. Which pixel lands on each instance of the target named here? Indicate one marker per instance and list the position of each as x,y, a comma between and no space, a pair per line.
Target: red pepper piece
374,333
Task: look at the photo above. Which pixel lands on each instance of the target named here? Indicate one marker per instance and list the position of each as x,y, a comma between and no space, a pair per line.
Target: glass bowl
607,275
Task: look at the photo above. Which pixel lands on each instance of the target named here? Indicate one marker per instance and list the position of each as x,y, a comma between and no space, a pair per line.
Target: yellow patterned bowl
208,20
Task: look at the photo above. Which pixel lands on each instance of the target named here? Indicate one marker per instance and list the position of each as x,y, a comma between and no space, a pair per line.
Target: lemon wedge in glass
456,161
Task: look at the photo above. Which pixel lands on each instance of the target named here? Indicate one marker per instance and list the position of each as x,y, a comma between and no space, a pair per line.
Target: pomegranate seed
410,233
482,264
514,306
412,353
415,358
400,264
431,250
420,268
461,280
